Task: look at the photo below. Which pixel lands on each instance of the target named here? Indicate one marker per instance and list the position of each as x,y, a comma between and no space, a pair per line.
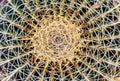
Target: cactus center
56,40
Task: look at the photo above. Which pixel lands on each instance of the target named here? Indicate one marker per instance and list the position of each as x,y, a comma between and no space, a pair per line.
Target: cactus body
60,40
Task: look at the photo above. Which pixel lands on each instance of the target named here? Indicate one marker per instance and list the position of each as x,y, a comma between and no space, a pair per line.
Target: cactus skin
60,40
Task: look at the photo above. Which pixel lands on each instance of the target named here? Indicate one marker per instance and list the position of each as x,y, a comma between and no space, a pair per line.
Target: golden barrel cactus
60,40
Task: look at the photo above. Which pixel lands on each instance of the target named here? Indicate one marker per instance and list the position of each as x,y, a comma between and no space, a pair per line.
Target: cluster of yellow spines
59,40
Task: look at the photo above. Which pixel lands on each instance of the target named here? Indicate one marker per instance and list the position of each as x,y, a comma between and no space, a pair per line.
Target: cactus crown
59,40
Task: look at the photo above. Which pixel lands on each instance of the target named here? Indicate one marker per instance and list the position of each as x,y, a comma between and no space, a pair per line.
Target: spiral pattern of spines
60,40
